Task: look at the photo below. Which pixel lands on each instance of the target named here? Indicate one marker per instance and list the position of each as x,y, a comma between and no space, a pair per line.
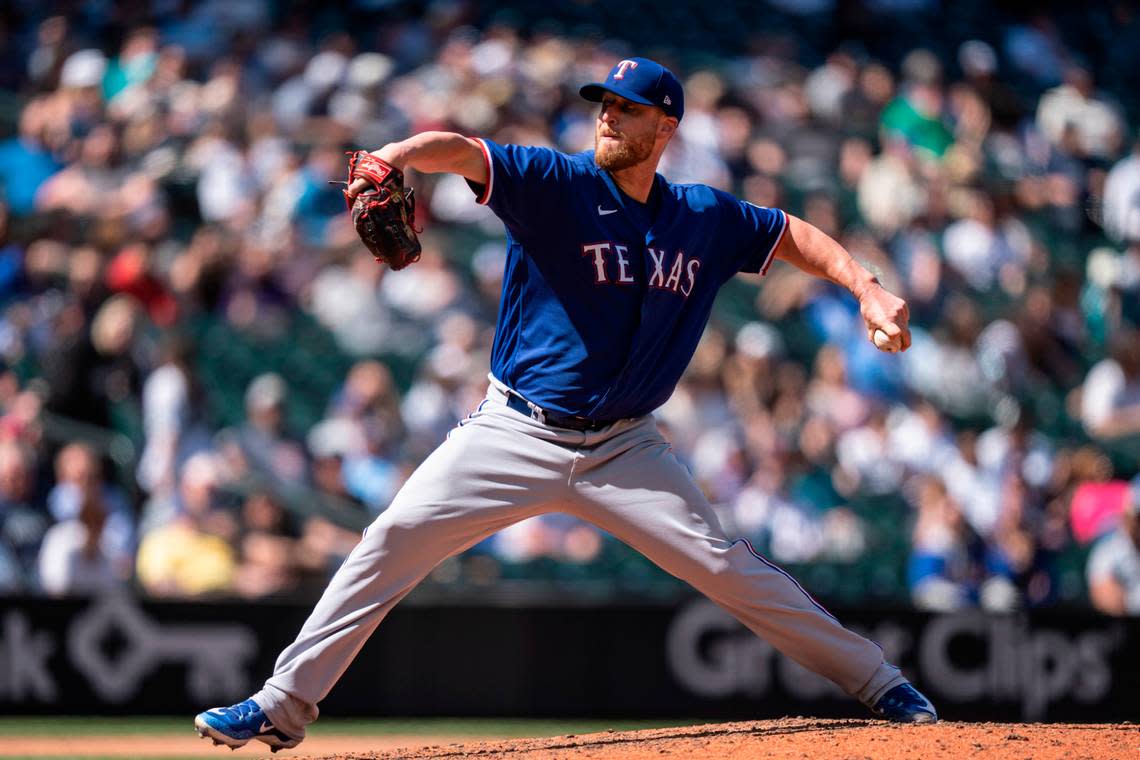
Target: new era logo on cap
642,81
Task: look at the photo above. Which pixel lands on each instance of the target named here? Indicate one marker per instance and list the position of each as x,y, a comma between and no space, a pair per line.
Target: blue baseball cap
642,81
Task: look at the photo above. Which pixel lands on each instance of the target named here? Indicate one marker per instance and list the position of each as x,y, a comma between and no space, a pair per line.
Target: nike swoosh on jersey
606,211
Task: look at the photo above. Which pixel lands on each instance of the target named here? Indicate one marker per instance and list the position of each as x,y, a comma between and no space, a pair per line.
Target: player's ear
667,126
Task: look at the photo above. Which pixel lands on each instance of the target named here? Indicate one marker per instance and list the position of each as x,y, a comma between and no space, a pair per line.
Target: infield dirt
784,739
804,739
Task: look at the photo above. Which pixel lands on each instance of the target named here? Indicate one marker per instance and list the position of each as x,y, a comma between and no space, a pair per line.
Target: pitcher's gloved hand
384,214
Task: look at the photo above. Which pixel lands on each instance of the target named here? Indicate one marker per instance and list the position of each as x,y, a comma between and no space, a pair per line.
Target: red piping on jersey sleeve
486,194
772,253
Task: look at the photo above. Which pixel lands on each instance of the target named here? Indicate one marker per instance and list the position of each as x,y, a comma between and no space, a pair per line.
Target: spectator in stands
863,105
77,556
987,251
765,512
132,271
1051,331
1015,568
90,370
890,191
193,553
866,459
80,482
256,300
1098,127
365,414
269,559
23,521
944,366
172,419
943,571
1018,447
25,160
49,51
433,405
1113,569
344,299
82,188
330,443
423,292
260,447
370,397
1122,197
1036,50
915,116
1110,398
979,64
829,395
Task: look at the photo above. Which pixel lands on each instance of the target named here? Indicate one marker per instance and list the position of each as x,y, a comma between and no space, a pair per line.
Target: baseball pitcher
611,272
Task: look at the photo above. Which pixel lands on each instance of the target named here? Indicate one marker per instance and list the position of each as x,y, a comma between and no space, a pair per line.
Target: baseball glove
385,215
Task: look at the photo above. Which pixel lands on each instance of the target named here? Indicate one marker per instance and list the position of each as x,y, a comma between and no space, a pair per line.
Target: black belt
554,419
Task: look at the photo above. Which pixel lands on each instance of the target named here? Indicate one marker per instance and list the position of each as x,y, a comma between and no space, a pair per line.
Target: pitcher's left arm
813,251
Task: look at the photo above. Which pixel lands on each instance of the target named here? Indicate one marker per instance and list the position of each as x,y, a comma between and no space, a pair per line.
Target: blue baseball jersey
605,298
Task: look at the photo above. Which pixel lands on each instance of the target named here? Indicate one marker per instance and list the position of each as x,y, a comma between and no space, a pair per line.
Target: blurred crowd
167,168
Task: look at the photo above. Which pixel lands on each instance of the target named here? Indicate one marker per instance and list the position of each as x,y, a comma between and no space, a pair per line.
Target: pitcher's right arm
432,153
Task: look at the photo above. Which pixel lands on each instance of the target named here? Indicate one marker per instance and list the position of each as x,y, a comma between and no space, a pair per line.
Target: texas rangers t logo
623,67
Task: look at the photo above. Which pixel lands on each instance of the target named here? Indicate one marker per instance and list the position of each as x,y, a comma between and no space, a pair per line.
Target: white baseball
884,342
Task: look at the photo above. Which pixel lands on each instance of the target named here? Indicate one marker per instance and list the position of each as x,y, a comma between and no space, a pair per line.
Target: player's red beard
629,151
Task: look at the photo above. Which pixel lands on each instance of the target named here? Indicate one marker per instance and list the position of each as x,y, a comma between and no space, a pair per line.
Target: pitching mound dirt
805,739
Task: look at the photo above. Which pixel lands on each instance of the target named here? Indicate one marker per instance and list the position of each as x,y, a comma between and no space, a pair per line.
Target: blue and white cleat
235,726
905,704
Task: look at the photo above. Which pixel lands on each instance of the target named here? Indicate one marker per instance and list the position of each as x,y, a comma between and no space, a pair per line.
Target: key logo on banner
216,656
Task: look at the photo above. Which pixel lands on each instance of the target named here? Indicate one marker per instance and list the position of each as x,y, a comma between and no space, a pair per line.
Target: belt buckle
536,412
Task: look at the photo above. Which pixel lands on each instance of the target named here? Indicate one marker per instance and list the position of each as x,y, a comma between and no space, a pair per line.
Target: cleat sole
219,740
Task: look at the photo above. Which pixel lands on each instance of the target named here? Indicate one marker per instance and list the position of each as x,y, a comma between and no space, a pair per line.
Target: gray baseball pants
499,467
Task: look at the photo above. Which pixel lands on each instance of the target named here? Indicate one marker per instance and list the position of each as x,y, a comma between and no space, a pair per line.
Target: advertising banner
118,654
